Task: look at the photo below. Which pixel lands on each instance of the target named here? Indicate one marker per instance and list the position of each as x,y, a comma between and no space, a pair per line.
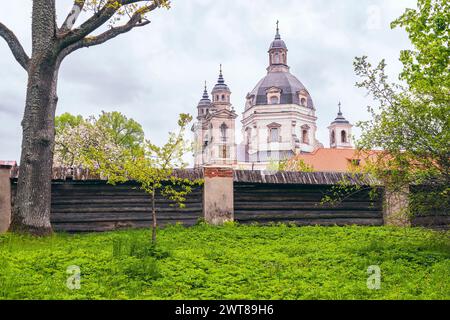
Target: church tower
215,129
340,132
279,119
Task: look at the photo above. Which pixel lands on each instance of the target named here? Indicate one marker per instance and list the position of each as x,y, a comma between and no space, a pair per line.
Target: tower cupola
221,93
204,104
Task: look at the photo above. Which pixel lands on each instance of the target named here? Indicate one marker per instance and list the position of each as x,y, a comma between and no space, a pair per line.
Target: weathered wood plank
288,205
306,214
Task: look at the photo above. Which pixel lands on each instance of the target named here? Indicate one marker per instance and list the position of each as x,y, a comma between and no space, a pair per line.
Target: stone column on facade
218,198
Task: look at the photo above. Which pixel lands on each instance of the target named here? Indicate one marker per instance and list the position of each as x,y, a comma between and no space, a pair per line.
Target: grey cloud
154,73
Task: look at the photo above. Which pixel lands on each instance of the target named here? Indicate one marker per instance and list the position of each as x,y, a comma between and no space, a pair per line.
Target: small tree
154,170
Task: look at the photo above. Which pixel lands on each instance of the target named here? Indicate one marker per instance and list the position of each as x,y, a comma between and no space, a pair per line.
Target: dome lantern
277,52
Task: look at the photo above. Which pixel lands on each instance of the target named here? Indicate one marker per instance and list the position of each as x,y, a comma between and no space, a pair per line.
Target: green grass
230,262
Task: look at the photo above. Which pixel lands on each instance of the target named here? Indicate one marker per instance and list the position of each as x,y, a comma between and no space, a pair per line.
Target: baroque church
278,123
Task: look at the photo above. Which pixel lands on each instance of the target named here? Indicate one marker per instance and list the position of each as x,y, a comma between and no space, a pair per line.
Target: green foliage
67,120
294,164
96,142
426,67
205,262
123,131
411,124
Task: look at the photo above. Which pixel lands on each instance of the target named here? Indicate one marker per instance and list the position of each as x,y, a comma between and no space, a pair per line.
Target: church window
303,102
277,58
274,100
343,136
274,135
333,138
223,152
305,137
217,97
223,132
223,97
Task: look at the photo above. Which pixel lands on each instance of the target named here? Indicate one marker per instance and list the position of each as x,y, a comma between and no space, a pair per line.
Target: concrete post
395,211
5,197
218,200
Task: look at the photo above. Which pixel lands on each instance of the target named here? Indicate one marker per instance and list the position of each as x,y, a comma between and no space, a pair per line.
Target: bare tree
50,45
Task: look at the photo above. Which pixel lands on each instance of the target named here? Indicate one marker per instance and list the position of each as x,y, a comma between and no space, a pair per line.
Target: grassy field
231,262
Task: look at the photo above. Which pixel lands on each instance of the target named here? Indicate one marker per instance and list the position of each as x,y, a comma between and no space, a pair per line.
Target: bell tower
215,129
340,132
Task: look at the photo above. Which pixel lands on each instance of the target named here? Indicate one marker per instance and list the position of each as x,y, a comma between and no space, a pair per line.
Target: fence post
395,207
218,199
5,197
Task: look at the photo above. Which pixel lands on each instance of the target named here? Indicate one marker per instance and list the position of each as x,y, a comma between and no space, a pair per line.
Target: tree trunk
31,213
153,218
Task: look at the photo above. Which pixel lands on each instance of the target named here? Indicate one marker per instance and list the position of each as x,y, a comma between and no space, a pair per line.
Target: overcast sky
154,73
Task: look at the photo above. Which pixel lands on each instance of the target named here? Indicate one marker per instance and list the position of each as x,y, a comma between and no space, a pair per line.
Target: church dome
277,44
289,85
279,82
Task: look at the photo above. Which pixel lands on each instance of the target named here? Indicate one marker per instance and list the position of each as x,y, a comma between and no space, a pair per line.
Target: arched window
217,97
283,56
343,136
303,102
333,138
223,132
274,100
305,137
277,58
223,97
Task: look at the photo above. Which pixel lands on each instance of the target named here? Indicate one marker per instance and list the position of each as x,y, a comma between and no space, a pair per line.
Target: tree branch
72,16
101,17
135,21
15,46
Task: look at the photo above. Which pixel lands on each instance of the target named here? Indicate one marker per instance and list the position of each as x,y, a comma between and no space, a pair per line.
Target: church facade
278,122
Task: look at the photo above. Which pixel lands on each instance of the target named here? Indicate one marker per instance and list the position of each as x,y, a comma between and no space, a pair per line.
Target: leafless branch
135,21
101,17
15,46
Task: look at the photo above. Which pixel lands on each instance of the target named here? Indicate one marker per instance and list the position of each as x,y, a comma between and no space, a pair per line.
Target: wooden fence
81,202
93,205
302,205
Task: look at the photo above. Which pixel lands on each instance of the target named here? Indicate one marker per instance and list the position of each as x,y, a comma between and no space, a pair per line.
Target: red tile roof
337,160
